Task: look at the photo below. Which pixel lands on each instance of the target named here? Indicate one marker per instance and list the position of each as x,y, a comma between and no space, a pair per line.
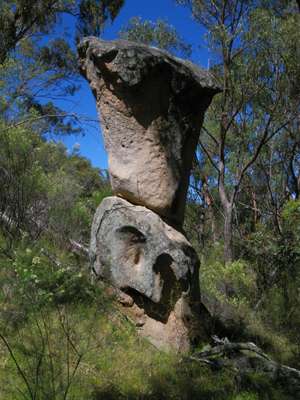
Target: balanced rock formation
151,106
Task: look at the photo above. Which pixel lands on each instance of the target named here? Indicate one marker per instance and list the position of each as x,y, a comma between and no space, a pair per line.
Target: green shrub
36,276
234,282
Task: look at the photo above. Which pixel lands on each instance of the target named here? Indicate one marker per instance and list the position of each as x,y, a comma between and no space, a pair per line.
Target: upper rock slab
133,61
151,106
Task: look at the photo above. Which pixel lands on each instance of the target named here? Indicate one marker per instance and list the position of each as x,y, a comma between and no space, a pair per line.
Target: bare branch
21,372
209,156
210,135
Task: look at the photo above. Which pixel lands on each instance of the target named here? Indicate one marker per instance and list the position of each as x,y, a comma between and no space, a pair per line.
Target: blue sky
91,144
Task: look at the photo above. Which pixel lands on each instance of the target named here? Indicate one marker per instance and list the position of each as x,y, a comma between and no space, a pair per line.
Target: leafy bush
37,277
233,282
45,192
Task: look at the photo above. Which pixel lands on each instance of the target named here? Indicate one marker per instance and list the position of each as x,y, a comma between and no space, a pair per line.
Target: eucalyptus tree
38,70
158,33
20,19
38,66
249,46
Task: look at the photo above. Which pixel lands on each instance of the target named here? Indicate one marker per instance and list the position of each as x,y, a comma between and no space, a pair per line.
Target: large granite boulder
154,267
151,106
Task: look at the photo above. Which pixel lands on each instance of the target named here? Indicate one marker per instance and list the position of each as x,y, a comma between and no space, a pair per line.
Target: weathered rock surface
151,107
155,267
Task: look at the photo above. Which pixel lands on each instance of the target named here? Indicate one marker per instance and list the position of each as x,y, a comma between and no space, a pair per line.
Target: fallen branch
77,247
226,354
228,348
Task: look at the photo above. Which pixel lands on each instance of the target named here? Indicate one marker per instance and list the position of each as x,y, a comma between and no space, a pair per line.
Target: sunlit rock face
151,107
155,267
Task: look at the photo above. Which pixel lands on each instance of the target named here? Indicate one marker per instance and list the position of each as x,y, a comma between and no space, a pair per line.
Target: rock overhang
133,60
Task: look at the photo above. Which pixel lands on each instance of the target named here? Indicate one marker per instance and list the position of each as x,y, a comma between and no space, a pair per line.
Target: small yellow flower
36,260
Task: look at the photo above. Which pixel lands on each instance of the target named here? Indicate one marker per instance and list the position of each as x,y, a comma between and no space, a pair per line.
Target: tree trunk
212,224
228,251
227,206
210,211
255,209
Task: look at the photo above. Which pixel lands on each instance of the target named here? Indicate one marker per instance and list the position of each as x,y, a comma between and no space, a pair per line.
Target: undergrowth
231,293
63,338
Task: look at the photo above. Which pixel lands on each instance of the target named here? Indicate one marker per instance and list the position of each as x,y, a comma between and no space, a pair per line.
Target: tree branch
209,156
22,374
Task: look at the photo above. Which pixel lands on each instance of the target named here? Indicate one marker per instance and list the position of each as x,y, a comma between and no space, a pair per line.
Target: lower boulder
154,269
